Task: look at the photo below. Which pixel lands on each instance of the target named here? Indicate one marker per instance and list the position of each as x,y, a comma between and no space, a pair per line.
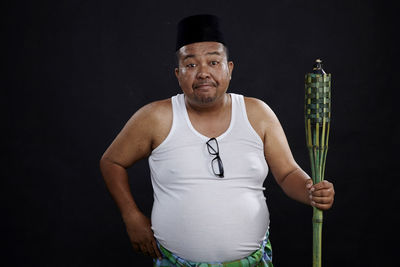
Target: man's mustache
207,83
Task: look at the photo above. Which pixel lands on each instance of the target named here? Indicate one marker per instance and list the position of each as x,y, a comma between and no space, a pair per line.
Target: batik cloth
260,258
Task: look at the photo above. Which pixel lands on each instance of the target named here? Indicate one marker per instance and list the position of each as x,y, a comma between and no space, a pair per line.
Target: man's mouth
204,85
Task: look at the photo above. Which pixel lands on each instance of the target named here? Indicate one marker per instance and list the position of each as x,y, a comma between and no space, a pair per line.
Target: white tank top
197,215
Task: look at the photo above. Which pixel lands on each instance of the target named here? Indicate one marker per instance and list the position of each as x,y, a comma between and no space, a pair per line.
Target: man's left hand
321,194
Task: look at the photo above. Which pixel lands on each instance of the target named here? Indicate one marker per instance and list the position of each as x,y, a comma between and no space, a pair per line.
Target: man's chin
204,98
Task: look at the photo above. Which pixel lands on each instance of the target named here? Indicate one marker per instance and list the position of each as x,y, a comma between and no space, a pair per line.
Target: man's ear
177,75
230,67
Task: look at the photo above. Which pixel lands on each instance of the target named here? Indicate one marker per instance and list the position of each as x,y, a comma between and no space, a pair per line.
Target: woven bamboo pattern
317,117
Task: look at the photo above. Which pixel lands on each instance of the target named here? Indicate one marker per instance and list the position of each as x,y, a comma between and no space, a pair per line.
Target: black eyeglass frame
217,158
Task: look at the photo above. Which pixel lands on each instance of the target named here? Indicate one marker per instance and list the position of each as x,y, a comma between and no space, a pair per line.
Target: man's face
204,72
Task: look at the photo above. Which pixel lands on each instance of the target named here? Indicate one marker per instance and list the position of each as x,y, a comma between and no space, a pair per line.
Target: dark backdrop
77,70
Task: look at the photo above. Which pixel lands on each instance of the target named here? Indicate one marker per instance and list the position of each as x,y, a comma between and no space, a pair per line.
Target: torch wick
318,67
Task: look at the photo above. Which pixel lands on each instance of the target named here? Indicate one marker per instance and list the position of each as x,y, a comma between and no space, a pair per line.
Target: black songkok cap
198,28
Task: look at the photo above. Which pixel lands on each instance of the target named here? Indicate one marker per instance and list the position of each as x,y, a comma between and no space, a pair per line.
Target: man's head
203,70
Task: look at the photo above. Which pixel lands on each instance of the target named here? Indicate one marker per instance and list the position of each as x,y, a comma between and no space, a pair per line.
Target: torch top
317,69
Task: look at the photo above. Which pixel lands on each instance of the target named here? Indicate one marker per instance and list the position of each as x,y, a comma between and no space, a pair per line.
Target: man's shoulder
253,101
153,115
156,110
158,120
255,106
160,105
152,121
259,112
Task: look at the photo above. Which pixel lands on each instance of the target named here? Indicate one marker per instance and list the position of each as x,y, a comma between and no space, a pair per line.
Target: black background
77,70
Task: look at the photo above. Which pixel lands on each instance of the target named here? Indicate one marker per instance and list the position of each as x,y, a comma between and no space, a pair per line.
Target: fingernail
313,203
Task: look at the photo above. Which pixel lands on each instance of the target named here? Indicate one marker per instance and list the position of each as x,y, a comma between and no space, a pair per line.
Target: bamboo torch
317,115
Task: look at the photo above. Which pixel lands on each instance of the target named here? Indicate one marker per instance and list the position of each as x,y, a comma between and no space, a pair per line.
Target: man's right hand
144,131
142,238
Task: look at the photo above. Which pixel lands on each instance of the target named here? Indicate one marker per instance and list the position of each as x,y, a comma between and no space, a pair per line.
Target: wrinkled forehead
202,49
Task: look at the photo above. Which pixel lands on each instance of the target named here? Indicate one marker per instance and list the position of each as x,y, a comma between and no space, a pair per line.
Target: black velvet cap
198,28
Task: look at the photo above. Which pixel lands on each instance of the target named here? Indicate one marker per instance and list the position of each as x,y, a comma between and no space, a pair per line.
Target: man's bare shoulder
144,131
258,109
156,111
154,116
155,119
260,116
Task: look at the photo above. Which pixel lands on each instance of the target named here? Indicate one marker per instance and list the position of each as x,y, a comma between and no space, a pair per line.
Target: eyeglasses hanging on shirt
216,162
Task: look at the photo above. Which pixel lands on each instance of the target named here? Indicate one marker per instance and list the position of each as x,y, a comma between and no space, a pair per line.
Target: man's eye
191,65
214,62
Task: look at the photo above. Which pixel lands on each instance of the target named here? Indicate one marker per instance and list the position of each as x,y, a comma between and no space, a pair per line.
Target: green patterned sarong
260,258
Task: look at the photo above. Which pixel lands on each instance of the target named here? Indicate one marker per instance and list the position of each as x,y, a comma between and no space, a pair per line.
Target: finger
136,247
322,185
150,250
321,200
143,249
323,193
156,250
322,206
309,184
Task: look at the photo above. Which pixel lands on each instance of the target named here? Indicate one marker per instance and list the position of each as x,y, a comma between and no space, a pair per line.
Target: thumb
309,184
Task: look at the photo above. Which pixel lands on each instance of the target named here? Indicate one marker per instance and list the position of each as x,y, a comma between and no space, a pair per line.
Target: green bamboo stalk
317,125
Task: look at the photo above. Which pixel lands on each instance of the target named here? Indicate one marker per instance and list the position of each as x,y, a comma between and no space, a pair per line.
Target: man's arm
287,173
145,130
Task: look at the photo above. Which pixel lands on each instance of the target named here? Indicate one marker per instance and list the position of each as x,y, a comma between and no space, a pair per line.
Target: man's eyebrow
188,56
209,53
214,53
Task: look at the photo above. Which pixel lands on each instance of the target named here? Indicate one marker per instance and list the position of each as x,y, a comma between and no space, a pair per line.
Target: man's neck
213,120
217,107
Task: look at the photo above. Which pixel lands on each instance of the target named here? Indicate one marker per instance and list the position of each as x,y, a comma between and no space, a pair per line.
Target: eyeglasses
216,163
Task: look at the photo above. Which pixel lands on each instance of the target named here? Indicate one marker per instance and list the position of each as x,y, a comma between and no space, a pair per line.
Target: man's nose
204,71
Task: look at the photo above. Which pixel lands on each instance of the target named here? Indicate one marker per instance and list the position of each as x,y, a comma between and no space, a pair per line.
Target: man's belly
208,225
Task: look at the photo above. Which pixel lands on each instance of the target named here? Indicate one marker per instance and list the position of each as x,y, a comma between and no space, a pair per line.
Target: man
209,153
